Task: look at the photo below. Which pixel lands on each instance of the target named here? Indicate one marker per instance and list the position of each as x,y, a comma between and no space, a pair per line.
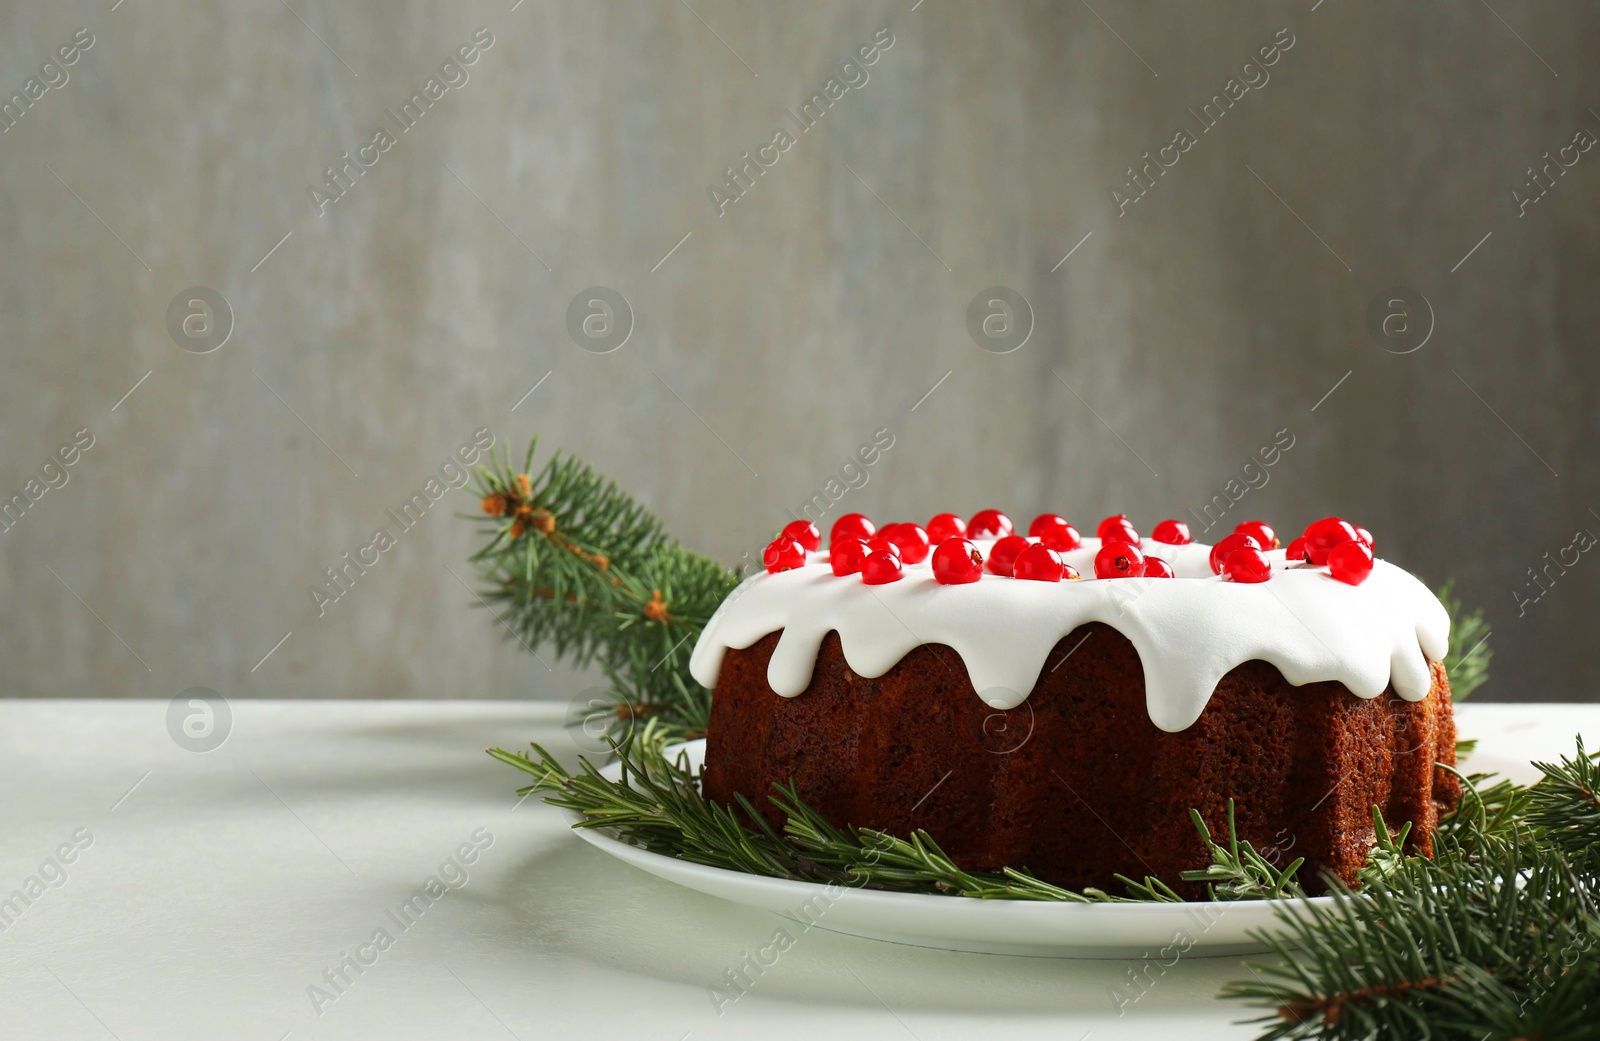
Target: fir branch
1467,659
1487,816
1565,806
1498,936
1439,948
575,563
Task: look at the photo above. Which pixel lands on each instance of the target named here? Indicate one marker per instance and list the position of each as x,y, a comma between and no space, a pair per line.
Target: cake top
1323,609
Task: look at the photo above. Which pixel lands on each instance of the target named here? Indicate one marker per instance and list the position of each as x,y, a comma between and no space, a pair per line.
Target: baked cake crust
1077,785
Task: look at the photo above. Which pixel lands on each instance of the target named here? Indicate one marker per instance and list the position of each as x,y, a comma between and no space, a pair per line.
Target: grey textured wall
580,151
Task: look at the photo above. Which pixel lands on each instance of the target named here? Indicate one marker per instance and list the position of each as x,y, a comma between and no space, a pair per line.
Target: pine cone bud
525,485
656,609
495,505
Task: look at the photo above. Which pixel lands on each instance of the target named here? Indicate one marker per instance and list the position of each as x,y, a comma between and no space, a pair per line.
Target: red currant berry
879,544
946,526
805,533
1118,528
1173,533
847,556
1364,537
1003,554
1297,551
881,568
989,524
1325,534
1054,531
1119,560
783,554
910,539
1247,564
1155,567
1226,545
1070,573
956,562
1038,563
851,526
1350,562
1262,532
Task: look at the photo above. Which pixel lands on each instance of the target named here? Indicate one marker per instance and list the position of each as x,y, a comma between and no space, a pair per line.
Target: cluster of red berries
1345,548
1242,556
857,546
1120,555
878,555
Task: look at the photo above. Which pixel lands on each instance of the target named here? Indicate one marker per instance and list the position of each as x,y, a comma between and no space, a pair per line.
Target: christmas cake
1060,703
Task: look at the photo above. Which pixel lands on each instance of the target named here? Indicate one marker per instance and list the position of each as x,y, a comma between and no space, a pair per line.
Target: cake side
1076,783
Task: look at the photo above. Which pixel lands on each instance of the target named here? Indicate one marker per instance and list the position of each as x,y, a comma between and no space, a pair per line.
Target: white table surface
220,886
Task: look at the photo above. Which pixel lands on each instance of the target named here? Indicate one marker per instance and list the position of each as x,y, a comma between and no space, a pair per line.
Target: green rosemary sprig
1238,872
655,805
867,858
1388,856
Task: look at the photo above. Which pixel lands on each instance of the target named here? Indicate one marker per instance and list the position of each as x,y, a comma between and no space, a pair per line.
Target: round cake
974,687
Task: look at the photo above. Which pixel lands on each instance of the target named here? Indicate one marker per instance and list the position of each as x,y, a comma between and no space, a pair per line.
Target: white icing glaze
1189,630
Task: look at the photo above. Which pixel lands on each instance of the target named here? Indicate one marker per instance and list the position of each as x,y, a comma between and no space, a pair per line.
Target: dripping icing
1188,631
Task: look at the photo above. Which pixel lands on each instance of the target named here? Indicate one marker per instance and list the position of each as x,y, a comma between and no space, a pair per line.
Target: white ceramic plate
1044,930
